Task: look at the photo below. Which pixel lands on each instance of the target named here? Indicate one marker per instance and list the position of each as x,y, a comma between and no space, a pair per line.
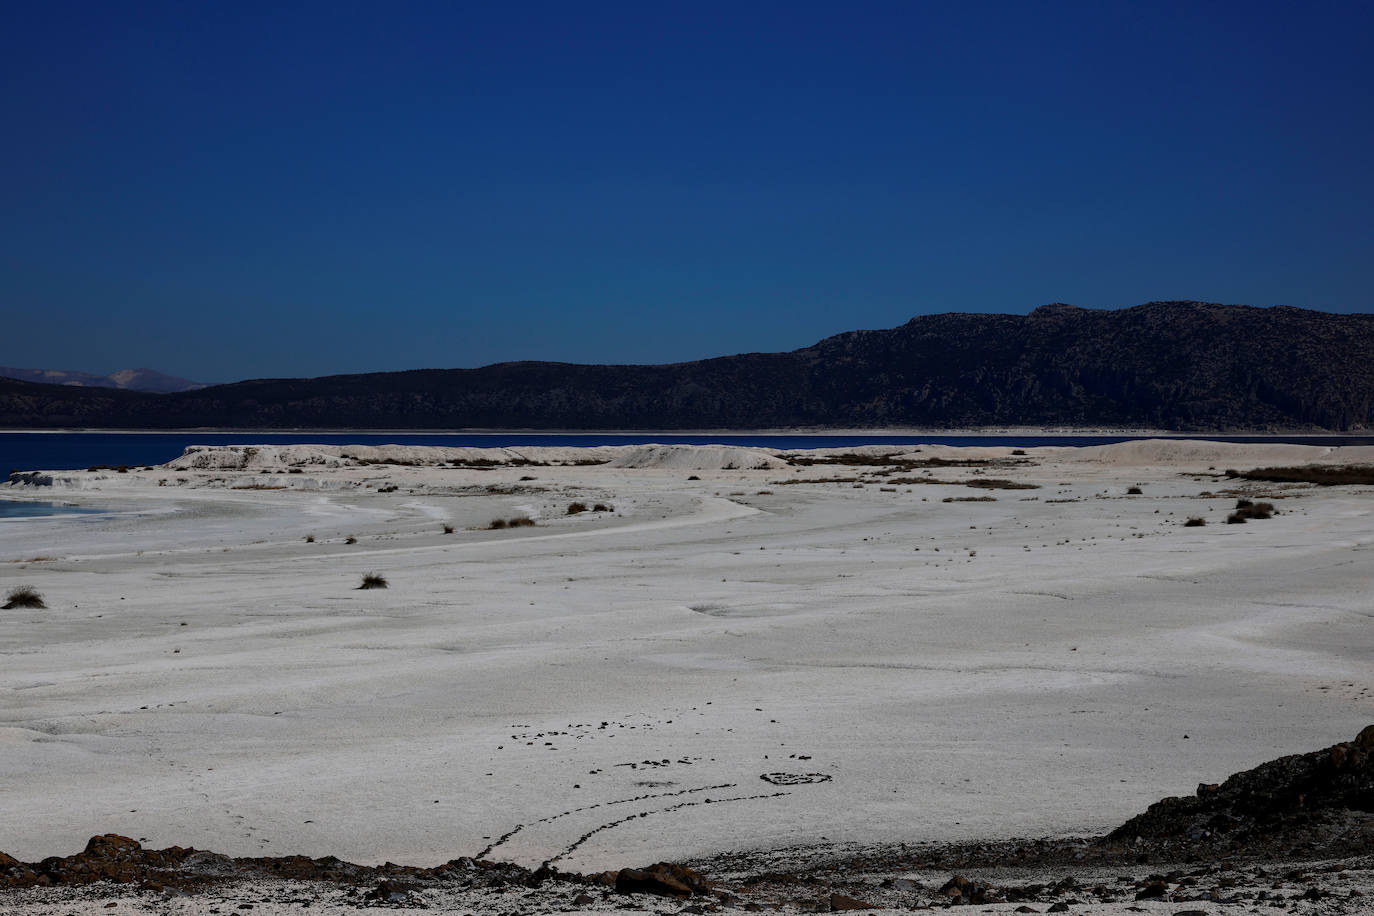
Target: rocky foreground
1296,833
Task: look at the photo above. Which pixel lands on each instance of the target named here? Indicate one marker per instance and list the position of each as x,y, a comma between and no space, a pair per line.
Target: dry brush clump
1195,522
1325,475
576,508
1247,509
372,580
519,521
23,596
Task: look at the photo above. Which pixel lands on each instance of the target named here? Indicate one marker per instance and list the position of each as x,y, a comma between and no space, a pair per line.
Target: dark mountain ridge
1169,365
129,379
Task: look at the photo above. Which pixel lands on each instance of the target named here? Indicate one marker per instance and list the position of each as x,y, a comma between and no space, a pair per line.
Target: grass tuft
373,580
23,596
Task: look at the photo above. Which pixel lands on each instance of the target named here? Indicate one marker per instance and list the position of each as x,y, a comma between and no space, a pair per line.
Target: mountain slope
1172,365
129,379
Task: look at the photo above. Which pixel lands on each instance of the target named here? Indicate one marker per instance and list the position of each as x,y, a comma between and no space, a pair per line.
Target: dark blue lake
70,451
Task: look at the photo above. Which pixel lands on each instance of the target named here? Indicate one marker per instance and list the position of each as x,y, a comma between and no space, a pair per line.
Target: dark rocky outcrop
1316,803
1169,365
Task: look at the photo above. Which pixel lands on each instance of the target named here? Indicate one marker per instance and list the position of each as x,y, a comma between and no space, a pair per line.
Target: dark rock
840,903
963,890
1321,801
388,892
1153,889
1059,907
663,879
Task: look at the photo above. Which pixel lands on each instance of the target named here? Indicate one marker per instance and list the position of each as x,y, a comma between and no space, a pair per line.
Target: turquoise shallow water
71,451
27,509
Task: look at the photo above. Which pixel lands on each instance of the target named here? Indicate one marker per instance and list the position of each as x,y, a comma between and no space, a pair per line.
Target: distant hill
128,379
1188,366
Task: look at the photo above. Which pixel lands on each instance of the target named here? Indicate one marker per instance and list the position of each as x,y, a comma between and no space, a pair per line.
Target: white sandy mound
272,457
253,457
696,457
1219,454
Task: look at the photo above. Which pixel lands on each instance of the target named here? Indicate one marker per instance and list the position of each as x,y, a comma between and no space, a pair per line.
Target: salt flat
609,688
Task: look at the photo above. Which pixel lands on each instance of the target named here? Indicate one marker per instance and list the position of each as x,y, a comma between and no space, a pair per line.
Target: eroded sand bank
900,667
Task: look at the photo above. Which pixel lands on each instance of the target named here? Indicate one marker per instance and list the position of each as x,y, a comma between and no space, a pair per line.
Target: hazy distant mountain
1168,365
129,379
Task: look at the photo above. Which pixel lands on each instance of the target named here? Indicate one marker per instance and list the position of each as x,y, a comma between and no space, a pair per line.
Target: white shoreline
1050,647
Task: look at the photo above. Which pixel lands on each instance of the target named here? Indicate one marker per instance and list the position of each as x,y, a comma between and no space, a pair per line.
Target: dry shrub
23,596
1195,522
1254,510
576,508
373,580
1322,475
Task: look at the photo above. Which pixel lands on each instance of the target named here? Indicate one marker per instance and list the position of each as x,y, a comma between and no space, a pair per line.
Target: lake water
27,509
74,450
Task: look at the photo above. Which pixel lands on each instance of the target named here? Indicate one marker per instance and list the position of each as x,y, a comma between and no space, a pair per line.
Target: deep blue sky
234,190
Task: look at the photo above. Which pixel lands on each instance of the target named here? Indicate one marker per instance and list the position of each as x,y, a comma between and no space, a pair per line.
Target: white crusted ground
1046,663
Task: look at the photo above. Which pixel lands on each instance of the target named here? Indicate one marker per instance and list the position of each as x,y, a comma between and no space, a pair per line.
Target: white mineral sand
1046,663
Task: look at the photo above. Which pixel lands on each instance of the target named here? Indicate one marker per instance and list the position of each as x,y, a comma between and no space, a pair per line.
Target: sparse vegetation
372,580
448,529
23,596
994,483
1323,475
310,538
519,521
576,508
1246,509
1235,518
1134,491
969,499
350,540
1195,522
693,477
603,507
